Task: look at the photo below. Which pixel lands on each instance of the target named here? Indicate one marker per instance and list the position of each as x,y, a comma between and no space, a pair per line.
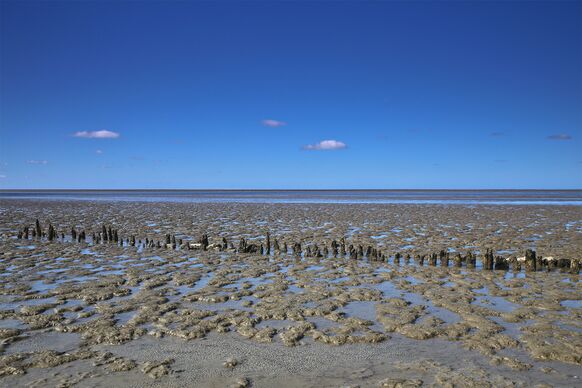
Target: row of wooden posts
489,261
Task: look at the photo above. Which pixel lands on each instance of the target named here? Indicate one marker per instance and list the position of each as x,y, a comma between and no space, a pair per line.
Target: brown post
539,263
488,260
471,260
445,260
501,263
38,229
530,260
432,260
268,244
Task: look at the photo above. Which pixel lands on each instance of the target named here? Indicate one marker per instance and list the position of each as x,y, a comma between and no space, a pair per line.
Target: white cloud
99,152
560,136
37,162
273,123
325,145
102,134
2,176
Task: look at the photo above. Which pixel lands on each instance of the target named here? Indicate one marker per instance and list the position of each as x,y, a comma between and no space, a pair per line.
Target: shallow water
453,197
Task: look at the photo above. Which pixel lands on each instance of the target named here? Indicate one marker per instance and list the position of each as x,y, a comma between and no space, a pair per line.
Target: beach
298,293
290,194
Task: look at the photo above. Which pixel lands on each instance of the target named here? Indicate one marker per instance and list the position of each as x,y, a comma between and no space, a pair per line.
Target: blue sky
291,95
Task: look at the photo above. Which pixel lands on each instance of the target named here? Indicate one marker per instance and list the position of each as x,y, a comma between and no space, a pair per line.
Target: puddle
41,286
322,323
77,279
12,324
315,268
496,303
339,280
123,318
203,282
361,309
364,310
27,247
189,261
514,275
574,304
412,280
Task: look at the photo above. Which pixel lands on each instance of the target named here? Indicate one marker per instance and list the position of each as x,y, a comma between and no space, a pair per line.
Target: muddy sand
182,294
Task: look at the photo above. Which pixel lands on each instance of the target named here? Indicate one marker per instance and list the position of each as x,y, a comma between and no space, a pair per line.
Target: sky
283,95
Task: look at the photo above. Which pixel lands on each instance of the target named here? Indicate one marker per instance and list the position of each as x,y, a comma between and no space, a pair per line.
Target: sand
107,314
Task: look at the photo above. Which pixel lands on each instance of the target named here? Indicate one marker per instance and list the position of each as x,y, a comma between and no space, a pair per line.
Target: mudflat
251,294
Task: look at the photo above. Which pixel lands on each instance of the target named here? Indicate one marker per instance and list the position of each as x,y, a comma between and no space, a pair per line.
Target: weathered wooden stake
530,260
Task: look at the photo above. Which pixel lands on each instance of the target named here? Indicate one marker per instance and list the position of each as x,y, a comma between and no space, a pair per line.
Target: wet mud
209,292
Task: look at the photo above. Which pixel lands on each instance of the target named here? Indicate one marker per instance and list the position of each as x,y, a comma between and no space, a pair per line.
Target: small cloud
496,134
102,134
325,145
43,162
2,176
560,136
99,152
273,123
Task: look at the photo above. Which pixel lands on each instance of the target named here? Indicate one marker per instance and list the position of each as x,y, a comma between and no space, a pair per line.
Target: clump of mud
96,294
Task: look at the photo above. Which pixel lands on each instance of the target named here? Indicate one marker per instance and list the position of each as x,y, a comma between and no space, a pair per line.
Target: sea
452,197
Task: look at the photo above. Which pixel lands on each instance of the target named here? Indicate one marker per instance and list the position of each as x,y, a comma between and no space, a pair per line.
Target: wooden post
268,244
530,260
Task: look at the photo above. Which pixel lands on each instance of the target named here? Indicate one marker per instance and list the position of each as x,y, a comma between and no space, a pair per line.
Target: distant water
453,197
